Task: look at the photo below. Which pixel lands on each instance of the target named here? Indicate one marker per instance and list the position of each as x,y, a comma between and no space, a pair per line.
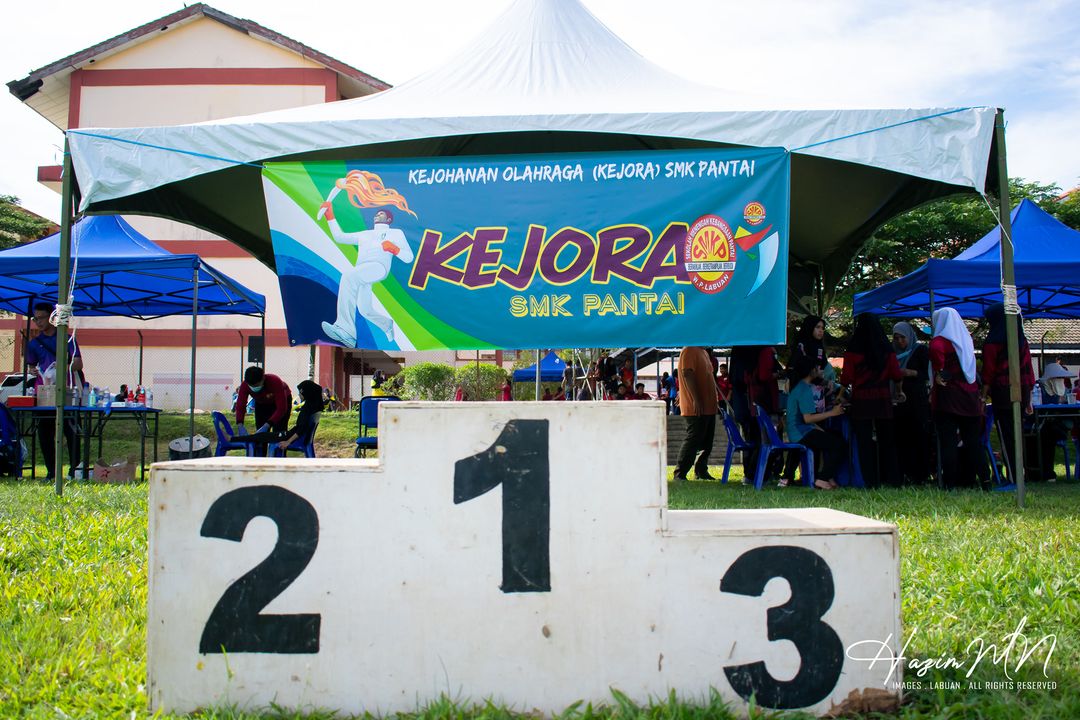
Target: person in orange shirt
698,404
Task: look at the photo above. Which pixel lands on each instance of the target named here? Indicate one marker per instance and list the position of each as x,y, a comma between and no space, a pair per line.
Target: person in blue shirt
802,423
40,357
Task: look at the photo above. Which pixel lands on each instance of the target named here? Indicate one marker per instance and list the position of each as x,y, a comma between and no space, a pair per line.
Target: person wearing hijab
955,402
995,379
311,394
869,368
911,409
810,342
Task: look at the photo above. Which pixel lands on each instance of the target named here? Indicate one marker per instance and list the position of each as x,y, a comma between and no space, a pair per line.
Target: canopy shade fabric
552,368
549,77
1047,262
119,272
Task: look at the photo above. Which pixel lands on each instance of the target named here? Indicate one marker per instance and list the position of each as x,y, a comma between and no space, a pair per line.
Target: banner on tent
578,250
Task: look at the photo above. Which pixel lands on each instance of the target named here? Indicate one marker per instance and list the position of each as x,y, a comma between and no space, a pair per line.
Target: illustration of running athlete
375,250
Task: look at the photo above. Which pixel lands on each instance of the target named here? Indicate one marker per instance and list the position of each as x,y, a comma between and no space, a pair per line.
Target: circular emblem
709,254
754,213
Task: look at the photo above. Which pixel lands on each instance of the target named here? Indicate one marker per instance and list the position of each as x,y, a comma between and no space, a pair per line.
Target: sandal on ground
824,484
782,483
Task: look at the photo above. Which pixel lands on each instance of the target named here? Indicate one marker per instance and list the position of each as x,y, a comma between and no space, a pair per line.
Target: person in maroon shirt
954,401
995,379
763,380
869,365
723,383
273,400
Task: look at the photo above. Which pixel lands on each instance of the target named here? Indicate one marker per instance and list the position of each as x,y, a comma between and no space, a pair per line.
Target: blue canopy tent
119,272
1047,257
551,370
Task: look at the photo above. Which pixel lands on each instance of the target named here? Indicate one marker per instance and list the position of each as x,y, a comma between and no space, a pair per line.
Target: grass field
73,592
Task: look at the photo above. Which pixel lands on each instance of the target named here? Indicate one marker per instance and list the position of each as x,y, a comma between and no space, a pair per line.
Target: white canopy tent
549,77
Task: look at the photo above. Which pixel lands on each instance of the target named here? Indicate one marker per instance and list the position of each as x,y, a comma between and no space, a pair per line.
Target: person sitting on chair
312,395
803,418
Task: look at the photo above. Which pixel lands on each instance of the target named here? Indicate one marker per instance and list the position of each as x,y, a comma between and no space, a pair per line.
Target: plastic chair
224,431
735,442
11,448
305,445
1064,443
369,420
771,442
988,449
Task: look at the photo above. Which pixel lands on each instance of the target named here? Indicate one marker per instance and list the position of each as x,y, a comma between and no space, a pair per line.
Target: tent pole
62,298
139,332
194,336
1012,308
26,341
937,454
262,319
537,374
478,373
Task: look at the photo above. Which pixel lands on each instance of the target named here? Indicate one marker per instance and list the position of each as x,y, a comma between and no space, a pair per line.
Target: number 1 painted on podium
517,460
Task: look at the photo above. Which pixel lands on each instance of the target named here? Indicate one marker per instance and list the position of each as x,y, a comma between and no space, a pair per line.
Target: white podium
514,552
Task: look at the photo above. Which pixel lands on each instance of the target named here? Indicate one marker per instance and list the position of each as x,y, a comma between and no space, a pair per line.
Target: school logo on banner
581,250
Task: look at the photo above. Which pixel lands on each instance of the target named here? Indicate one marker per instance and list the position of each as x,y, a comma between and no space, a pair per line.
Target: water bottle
103,396
1036,394
149,398
140,396
92,401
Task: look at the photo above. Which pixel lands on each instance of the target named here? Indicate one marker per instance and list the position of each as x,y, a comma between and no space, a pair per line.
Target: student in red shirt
955,402
995,379
869,365
723,383
273,402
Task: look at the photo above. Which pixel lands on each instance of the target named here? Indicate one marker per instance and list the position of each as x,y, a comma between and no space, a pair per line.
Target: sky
1024,57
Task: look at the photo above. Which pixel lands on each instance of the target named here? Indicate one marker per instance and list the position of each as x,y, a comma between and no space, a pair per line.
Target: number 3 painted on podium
821,653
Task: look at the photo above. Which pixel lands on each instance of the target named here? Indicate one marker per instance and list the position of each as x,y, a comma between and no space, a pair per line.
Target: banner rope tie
166,149
883,127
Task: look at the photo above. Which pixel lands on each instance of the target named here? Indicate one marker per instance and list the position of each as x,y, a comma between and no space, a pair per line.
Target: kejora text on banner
577,250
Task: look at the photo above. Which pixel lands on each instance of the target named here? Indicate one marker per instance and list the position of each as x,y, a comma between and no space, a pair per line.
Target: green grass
73,592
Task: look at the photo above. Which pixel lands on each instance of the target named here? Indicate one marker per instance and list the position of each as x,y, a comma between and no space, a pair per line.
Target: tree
17,225
426,381
489,387
1068,209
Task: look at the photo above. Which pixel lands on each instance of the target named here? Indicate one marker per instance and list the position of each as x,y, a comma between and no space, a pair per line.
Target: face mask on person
255,388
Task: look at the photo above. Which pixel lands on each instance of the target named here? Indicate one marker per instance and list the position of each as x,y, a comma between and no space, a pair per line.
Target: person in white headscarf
955,402
911,414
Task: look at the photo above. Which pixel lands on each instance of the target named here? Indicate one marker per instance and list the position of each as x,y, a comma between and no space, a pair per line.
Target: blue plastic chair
988,448
369,420
850,474
771,443
1064,445
224,431
735,442
305,445
10,442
